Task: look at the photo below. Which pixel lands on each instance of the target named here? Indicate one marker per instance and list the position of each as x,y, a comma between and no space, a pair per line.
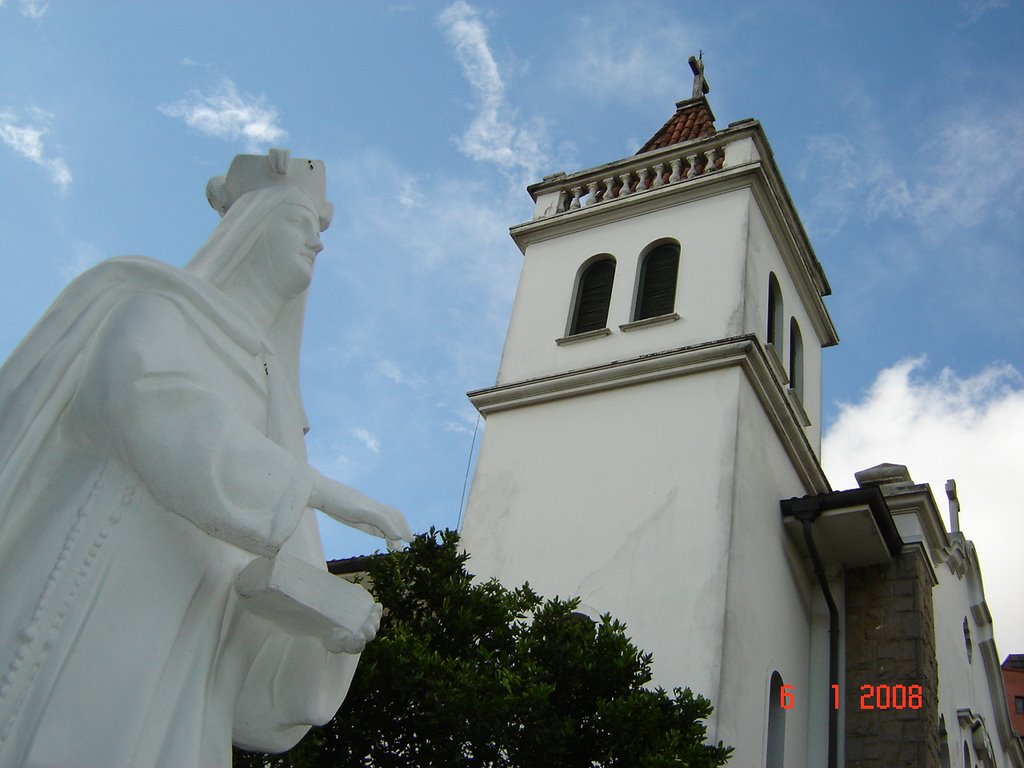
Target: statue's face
292,238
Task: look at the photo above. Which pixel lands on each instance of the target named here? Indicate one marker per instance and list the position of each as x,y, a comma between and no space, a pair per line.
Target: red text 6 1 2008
880,696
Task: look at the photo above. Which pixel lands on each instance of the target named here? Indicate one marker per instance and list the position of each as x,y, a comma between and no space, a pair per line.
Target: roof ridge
693,119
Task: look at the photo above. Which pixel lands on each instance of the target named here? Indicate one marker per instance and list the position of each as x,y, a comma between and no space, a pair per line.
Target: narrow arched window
775,752
593,294
796,359
775,314
656,291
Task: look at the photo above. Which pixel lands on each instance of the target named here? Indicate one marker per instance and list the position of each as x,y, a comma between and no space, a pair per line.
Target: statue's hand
349,506
348,641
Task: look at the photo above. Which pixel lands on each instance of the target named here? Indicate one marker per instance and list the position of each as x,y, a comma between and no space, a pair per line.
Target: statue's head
274,171
272,210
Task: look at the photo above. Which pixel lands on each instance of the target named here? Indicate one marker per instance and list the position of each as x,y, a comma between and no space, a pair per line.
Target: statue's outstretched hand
349,506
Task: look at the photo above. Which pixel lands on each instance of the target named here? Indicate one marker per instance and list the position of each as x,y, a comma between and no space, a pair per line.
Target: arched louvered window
775,314
593,294
656,292
775,757
796,358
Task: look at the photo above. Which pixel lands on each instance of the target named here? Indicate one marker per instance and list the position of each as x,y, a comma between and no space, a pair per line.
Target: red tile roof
693,120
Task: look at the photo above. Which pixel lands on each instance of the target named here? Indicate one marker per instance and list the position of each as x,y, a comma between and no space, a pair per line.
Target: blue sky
899,128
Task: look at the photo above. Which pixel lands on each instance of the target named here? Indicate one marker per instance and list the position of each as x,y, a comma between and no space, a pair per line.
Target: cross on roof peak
700,84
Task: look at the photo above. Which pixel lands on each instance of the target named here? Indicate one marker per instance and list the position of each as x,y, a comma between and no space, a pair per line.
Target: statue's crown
275,169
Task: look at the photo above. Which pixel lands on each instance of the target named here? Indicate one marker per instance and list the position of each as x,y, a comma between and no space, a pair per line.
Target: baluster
659,175
577,193
592,192
609,188
677,170
643,173
627,179
710,154
560,206
692,162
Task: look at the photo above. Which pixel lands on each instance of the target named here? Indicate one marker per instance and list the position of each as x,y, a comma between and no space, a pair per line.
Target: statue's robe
152,448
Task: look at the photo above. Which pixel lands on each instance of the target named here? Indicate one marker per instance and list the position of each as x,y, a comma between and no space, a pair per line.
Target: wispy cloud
971,169
24,132
603,65
366,438
496,134
33,9
849,181
224,113
970,428
84,257
391,370
975,168
972,10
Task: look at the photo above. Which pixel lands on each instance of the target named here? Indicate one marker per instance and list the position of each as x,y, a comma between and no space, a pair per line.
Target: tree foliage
474,674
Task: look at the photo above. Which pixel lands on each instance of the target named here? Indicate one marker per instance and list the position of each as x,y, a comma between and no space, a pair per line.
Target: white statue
162,583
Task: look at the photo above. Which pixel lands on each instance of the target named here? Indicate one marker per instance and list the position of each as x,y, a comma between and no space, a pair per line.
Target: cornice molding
743,351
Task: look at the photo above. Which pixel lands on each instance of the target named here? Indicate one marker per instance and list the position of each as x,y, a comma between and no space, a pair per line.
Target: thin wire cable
465,480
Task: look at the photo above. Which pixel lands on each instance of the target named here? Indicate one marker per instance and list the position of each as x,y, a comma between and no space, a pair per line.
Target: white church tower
659,392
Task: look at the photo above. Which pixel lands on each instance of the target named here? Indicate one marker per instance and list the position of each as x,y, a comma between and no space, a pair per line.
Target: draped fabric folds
151,445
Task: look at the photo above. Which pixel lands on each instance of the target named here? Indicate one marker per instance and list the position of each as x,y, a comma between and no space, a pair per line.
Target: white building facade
659,394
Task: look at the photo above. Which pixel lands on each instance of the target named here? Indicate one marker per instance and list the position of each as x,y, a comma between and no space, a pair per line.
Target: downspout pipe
807,515
808,509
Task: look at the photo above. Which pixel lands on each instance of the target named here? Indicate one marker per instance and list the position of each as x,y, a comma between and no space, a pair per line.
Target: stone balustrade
560,194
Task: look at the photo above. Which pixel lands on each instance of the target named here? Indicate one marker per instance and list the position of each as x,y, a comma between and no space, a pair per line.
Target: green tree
474,674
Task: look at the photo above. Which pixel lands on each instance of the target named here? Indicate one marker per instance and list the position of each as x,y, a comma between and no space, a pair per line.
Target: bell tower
659,392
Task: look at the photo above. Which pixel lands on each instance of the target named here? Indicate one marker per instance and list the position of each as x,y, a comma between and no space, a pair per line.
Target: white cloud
975,167
24,134
973,10
84,257
33,9
366,438
603,63
848,180
970,170
496,133
967,428
389,369
224,113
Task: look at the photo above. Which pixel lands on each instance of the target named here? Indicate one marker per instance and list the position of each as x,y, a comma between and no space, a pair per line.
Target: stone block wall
890,641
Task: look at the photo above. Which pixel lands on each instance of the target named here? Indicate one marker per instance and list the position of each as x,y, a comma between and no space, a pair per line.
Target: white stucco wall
659,503
727,252
623,501
709,292
772,603
967,683
764,258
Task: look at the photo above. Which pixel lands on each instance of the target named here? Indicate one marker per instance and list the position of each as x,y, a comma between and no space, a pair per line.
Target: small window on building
968,643
1018,703
775,757
775,314
796,359
656,290
593,295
